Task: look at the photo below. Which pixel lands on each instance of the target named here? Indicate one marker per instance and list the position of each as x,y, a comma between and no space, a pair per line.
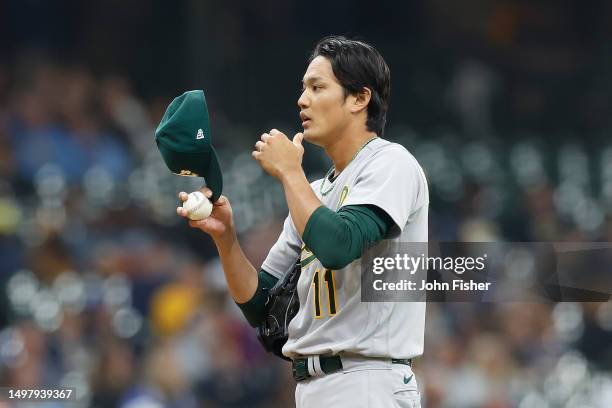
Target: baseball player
345,353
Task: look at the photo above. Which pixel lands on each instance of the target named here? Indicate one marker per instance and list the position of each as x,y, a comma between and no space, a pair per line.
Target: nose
303,100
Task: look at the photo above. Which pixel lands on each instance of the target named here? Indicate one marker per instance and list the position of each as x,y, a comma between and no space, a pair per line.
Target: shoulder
396,150
390,155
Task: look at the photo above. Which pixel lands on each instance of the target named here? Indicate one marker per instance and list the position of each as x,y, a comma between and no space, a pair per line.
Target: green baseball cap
184,140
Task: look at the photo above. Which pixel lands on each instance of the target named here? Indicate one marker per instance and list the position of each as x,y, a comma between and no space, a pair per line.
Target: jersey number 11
328,277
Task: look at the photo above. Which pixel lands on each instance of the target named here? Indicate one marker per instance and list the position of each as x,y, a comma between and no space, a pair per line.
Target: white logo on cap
200,134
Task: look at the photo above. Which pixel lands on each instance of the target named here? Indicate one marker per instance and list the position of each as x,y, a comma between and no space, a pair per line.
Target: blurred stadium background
506,104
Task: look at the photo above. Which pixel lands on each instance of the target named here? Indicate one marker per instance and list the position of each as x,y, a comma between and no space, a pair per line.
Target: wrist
225,241
292,175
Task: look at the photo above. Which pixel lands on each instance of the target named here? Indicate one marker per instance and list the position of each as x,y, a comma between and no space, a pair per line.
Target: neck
343,148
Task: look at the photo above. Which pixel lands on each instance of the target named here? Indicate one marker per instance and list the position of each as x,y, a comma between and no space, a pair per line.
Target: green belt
329,364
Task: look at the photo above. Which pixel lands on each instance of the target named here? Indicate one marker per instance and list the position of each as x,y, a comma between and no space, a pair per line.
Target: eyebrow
312,79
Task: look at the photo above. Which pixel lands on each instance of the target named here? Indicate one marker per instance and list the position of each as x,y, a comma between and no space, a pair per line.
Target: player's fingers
181,211
277,133
259,145
197,223
265,137
206,191
183,196
256,155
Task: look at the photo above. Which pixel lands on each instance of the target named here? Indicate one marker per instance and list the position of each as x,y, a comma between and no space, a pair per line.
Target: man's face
323,107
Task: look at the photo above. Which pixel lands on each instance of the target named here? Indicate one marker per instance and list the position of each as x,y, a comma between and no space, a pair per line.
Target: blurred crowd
103,288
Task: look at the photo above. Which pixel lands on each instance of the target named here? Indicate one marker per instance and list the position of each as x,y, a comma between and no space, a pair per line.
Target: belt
323,365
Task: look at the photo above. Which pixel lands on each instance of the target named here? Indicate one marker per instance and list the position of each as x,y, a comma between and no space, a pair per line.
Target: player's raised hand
278,155
219,224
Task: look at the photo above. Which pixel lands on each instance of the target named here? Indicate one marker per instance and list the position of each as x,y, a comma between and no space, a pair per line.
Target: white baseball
198,206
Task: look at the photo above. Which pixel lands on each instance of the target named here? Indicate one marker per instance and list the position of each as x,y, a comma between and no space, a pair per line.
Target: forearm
301,200
240,275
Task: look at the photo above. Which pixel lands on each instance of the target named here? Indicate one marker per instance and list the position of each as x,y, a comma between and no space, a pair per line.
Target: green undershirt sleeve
338,238
254,309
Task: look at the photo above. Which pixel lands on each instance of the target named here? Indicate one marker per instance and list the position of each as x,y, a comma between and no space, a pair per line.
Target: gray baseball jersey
332,318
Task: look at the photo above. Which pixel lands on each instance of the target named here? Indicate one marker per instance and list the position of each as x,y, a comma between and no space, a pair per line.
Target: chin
311,137
307,135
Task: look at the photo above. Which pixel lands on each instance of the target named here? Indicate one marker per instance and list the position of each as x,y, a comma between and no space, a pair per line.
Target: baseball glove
282,305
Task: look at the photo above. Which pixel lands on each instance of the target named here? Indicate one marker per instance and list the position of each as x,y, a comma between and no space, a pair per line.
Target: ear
361,100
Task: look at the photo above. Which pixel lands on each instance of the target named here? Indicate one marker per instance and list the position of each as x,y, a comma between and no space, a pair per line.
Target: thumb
220,201
297,139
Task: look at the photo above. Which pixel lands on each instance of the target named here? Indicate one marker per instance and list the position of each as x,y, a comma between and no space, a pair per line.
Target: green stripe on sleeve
255,309
339,238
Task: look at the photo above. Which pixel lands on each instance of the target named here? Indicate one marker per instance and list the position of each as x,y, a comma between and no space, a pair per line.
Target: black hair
357,64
